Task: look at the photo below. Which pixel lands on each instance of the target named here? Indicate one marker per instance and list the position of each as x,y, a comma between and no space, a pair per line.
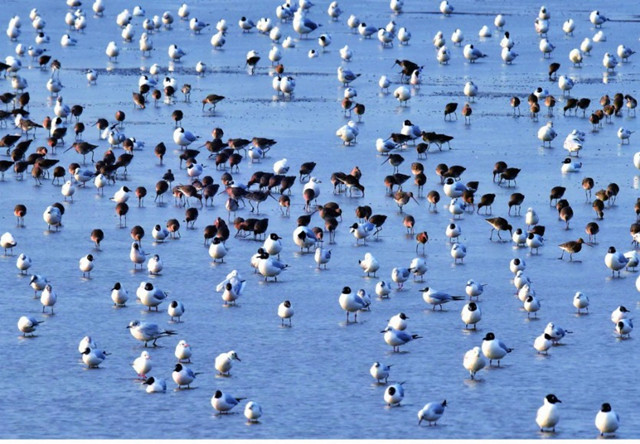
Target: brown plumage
498,224
515,104
409,222
592,229
571,247
509,175
587,185
20,211
433,197
97,235
515,200
450,108
212,100
556,193
121,210
598,207
566,214
466,112
174,227
422,238
486,201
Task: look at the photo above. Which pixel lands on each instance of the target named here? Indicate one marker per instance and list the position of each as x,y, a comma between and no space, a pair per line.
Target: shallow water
313,380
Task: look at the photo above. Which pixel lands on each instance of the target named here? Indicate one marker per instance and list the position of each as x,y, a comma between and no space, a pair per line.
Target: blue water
312,380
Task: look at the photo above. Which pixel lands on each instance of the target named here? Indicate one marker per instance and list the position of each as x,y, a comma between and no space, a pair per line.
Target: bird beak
415,200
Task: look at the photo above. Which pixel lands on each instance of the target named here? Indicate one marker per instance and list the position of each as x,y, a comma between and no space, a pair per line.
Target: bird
624,327
394,394
155,385
351,303
397,338
86,265
597,19
147,331
223,402
580,301
547,415
624,135
285,312
224,362
8,242
571,247
438,298
183,375
142,365
379,372
607,420
253,410
23,263
494,349
175,310
471,315
615,261
472,54
474,361
93,358
432,411
28,324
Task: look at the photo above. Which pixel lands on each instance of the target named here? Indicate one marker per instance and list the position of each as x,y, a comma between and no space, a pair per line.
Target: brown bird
409,222
359,109
162,187
190,217
534,108
466,112
120,116
516,200
612,191
598,207
450,108
587,185
209,233
138,100
553,68
571,247
137,233
556,194
498,224
121,210
174,228
566,214
141,192
631,104
515,104
486,201
156,95
97,235
592,229
509,175
213,100
20,211
422,238
583,104
433,198
550,102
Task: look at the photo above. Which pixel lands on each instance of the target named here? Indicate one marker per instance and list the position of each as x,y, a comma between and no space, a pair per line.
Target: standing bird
607,421
547,416
493,348
432,411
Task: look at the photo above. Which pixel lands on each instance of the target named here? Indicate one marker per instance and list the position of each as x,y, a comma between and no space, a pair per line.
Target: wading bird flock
301,211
